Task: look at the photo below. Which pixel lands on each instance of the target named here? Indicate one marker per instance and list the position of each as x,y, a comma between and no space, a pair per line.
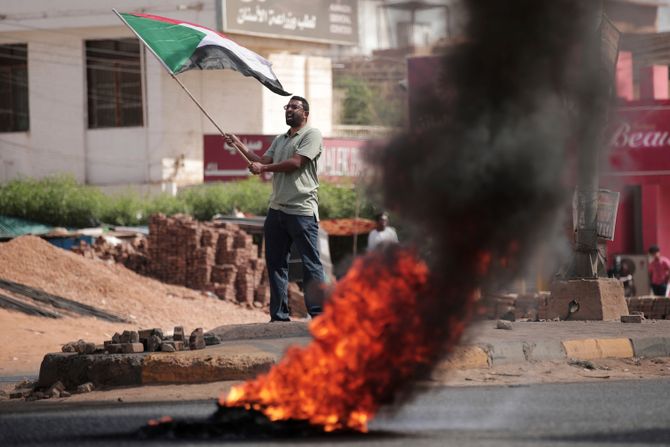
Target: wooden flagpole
180,83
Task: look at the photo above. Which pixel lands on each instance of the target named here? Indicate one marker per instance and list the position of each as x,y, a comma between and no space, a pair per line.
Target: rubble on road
504,324
145,340
127,342
632,318
533,307
85,388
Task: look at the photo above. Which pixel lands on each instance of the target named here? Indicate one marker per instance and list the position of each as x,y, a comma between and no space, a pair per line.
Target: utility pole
583,294
593,101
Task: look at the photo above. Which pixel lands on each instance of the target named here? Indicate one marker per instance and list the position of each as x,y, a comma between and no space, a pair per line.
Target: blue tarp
11,227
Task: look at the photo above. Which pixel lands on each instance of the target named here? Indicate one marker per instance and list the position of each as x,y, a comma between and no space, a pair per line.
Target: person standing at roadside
293,213
383,233
659,271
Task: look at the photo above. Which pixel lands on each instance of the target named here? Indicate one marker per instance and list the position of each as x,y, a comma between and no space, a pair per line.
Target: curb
236,361
580,349
246,359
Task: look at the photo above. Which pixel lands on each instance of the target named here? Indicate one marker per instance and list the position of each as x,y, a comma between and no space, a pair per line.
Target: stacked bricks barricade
217,257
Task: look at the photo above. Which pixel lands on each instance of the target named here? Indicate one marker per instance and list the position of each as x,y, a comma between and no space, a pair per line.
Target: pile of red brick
653,307
133,254
217,257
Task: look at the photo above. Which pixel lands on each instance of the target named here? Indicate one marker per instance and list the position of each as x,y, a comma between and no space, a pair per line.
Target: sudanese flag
184,46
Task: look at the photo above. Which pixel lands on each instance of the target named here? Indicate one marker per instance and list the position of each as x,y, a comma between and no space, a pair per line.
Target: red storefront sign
341,157
639,140
639,156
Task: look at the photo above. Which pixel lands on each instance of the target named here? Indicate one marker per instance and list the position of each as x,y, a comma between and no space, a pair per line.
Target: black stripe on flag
211,57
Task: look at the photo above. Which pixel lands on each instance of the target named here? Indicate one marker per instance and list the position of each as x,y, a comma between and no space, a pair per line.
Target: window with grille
114,79
14,116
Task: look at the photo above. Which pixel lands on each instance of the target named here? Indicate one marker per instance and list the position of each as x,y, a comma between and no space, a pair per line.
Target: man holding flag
293,214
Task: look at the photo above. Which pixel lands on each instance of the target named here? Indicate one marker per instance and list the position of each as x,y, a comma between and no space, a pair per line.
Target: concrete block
114,348
211,339
197,339
146,333
506,352
153,343
632,318
178,333
20,393
167,346
464,357
584,349
615,347
589,349
102,370
56,389
129,348
80,347
130,337
89,348
542,350
651,346
85,388
200,367
504,324
598,299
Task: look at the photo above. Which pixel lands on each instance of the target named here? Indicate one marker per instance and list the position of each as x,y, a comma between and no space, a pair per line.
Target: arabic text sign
341,157
333,21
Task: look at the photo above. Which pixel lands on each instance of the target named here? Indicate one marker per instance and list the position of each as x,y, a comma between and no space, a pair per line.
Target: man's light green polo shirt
296,192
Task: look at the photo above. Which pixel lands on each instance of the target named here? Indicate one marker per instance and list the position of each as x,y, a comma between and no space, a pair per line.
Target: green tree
357,107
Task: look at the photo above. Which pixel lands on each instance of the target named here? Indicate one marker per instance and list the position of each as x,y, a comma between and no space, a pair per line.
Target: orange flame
369,341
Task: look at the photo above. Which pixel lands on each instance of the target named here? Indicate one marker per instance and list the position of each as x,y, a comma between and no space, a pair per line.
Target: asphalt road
579,414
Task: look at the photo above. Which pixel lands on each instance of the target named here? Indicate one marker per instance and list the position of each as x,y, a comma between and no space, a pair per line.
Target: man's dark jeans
281,230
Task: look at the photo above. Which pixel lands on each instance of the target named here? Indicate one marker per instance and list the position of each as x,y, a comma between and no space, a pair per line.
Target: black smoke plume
482,173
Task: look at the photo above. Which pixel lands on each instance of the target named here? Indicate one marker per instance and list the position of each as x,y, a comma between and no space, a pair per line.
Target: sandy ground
142,301
25,339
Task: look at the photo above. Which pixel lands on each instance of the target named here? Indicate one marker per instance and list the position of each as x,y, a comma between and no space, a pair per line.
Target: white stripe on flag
253,60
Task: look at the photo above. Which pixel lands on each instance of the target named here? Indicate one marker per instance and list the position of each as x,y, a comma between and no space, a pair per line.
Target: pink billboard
639,138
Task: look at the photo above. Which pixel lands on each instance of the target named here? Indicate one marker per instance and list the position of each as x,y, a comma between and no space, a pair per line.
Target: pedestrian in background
659,271
293,214
382,234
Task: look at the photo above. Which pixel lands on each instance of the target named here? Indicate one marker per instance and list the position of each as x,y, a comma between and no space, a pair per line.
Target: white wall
55,142
319,93
169,147
290,70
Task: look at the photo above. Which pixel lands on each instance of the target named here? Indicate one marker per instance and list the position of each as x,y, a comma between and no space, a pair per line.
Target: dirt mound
146,302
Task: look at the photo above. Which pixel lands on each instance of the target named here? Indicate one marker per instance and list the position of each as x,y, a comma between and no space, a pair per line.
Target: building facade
81,96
